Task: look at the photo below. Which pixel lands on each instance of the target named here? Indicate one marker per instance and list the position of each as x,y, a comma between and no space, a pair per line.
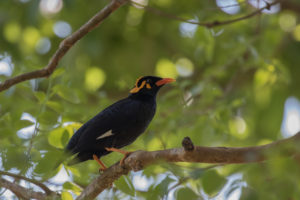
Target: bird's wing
107,123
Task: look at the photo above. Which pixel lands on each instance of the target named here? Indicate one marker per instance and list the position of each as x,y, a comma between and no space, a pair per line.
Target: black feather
126,119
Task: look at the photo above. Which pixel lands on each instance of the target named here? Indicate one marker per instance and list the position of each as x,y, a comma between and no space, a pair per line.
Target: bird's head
149,85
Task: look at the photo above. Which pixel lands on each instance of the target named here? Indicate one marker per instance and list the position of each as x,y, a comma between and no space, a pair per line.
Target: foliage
232,84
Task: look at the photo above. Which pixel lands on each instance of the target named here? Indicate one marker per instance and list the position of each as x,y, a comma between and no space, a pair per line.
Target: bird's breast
141,119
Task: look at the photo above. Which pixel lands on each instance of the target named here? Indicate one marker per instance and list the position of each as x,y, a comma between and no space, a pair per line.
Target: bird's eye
148,83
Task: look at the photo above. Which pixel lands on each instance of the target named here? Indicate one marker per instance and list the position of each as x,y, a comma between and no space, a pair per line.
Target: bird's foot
125,156
125,153
103,167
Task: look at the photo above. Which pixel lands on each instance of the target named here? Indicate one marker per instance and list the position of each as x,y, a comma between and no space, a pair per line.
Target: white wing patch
107,134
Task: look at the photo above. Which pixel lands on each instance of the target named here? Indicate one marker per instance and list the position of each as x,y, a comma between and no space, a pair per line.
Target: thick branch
189,153
21,192
64,47
41,185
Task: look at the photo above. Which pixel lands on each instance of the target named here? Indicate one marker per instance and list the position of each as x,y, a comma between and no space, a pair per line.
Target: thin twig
20,191
41,185
184,179
64,46
206,24
230,6
180,182
41,110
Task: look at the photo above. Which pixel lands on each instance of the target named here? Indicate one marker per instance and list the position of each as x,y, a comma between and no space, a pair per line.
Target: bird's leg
100,162
125,153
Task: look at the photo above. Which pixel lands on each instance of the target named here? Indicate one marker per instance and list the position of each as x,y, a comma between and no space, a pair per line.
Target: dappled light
184,67
62,29
287,22
291,117
50,7
260,4
141,182
141,2
6,65
27,132
31,36
264,79
94,78
12,32
61,177
229,6
188,98
134,16
188,30
296,33
166,68
5,69
238,128
43,45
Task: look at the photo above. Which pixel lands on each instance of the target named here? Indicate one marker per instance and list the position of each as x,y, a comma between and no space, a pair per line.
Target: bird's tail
80,157
74,161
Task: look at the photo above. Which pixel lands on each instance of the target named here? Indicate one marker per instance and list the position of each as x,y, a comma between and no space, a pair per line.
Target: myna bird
119,124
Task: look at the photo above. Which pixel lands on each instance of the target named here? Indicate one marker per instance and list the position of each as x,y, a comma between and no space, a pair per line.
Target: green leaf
161,189
66,93
124,184
57,107
58,137
197,173
186,194
15,158
249,194
23,123
58,72
72,186
212,182
48,117
174,169
66,196
41,96
6,117
46,165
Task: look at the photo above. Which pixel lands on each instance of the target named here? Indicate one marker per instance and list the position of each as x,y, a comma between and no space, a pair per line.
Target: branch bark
67,43
139,160
64,46
290,5
21,192
37,183
206,24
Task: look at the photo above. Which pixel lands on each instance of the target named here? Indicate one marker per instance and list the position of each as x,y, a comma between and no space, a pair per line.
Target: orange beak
164,81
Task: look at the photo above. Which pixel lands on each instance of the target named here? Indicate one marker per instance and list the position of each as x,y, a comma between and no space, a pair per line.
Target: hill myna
117,125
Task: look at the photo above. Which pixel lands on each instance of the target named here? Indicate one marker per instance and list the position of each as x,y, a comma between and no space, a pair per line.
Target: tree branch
138,160
290,5
206,24
21,192
41,185
64,46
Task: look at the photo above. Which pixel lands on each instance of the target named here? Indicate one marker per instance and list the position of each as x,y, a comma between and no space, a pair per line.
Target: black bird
119,124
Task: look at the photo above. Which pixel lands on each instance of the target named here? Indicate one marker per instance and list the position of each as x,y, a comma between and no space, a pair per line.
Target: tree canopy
237,69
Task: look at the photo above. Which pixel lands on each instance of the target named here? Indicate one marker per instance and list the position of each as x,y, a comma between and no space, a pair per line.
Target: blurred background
237,85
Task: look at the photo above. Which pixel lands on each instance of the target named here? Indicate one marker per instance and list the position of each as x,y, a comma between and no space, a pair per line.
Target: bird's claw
125,153
103,167
101,170
123,159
